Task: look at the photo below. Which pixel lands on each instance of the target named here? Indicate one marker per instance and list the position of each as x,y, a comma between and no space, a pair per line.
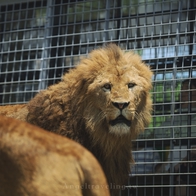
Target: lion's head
113,89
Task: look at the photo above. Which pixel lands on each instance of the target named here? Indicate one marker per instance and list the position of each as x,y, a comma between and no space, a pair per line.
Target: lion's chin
119,129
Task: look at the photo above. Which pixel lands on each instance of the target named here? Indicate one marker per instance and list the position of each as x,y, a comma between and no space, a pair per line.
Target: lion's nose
120,105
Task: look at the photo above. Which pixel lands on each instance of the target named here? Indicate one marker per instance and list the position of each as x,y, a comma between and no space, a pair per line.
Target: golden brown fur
15,111
103,104
35,162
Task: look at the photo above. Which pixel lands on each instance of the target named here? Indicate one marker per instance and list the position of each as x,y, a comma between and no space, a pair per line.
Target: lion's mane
73,107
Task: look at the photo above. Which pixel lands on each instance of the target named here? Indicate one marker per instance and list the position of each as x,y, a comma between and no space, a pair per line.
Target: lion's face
119,97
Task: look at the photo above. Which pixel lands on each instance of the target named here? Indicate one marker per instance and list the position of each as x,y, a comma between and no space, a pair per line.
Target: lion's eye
107,87
131,85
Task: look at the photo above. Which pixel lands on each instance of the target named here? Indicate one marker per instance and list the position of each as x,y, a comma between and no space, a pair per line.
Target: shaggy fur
35,162
103,104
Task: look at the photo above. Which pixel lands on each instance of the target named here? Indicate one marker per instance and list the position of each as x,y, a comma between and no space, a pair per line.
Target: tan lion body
103,104
15,111
34,162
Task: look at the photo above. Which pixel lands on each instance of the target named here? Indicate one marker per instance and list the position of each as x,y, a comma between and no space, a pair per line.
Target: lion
103,103
35,162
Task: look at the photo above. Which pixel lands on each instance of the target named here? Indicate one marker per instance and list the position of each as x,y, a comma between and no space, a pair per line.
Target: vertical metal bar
45,54
172,140
107,18
191,17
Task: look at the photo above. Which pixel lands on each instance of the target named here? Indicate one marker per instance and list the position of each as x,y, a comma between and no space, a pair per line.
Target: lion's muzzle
120,119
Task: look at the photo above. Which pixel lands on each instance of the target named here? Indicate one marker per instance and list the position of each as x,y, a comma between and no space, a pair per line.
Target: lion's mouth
120,119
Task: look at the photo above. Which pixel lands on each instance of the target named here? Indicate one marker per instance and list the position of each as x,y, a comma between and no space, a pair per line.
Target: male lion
103,104
36,163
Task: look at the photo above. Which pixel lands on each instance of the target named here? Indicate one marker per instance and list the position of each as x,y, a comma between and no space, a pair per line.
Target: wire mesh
41,40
